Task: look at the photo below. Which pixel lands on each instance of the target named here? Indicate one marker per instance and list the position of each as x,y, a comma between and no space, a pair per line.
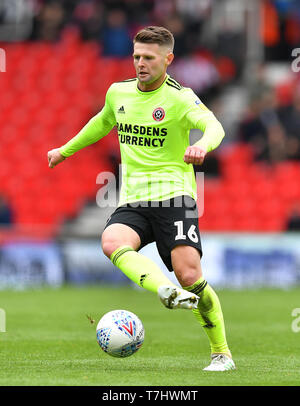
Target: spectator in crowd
49,22
290,119
195,71
88,16
280,28
115,36
293,221
262,126
6,215
16,19
176,25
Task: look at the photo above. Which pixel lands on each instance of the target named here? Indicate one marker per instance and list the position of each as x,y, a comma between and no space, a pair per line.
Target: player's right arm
97,127
55,157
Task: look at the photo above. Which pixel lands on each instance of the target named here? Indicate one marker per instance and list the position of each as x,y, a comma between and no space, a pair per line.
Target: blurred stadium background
57,60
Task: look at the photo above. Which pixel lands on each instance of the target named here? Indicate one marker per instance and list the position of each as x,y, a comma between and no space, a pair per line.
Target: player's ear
169,58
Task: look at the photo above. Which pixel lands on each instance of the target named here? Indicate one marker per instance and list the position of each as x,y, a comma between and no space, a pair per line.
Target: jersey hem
122,203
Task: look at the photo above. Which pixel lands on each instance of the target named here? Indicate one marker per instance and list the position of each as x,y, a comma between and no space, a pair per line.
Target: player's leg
187,267
179,245
120,243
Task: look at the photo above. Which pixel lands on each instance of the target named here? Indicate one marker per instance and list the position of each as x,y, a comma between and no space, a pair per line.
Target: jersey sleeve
96,128
195,115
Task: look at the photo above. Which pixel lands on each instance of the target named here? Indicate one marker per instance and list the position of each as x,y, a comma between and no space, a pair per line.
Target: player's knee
109,246
186,265
188,275
110,243
116,236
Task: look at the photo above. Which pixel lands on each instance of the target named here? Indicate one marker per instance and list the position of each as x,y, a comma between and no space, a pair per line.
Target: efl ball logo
158,114
120,333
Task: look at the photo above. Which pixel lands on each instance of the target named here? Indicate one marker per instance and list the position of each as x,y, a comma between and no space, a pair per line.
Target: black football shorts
169,223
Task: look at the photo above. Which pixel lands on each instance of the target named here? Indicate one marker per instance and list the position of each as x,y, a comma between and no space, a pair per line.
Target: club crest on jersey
158,114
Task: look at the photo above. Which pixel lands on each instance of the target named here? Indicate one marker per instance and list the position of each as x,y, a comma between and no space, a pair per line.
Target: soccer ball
120,333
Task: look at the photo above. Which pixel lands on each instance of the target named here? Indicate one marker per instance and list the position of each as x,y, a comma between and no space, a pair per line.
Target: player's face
151,62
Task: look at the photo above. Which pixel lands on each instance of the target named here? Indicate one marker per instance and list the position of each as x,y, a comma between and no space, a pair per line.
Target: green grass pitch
49,341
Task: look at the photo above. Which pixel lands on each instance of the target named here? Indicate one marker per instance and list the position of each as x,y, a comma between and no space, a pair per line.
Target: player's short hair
155,35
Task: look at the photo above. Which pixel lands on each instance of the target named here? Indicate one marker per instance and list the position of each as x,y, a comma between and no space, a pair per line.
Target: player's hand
55,157
194,155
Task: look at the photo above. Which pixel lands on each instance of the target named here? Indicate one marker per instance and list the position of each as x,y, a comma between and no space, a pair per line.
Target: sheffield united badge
158,114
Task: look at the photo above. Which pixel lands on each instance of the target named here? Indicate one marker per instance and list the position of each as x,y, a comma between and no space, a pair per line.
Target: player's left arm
211,139
200,117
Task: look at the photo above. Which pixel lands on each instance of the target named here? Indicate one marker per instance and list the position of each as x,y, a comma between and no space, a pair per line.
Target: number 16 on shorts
191,234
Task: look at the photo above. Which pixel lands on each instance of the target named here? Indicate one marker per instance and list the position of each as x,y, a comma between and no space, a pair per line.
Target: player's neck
148,87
